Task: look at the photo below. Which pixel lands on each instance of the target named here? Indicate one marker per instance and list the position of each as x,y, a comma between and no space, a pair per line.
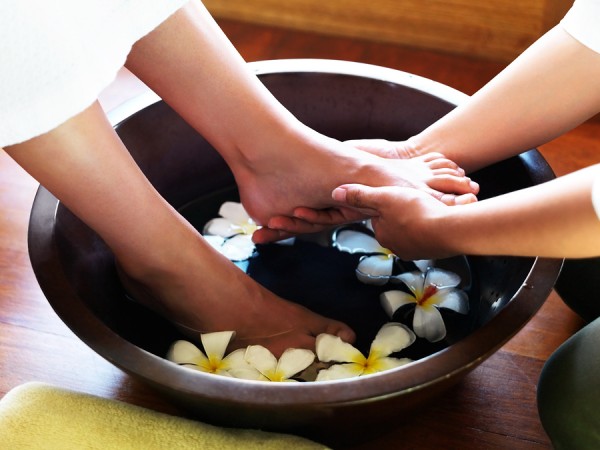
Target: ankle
257,153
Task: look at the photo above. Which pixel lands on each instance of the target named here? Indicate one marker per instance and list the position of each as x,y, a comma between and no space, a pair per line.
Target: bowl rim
462,356
312,65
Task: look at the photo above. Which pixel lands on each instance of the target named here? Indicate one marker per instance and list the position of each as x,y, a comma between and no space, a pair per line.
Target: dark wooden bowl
344,100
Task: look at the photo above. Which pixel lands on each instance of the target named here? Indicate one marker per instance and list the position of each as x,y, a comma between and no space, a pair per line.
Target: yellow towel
38,416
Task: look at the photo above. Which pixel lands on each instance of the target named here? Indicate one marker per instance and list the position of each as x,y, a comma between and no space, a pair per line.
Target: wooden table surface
493,408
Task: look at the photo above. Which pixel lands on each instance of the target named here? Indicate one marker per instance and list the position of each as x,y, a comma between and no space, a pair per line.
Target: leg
578,282
82,161
569,391
191,65
569,387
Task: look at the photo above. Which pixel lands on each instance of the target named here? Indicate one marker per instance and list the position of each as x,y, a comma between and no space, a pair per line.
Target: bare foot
200,291
296,173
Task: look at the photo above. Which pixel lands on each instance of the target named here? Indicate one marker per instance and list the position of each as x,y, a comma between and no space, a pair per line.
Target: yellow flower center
386,252
275,376
372,363
248,227
429,292
213,365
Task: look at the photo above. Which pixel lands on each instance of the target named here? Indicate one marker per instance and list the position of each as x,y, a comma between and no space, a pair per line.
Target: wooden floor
495,406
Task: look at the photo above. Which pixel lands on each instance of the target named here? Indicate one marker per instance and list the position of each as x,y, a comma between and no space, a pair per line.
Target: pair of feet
200,291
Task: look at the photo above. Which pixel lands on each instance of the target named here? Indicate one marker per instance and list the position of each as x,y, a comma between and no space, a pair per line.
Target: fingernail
339,194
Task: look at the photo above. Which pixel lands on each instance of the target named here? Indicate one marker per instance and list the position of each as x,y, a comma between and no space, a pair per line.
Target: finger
266,235
364,198
329,216
294,225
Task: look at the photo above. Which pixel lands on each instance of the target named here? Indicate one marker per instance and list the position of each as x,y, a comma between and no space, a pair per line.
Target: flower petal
340,371
293,361
215,344
249,373
332,348
372,280
375,269
184,352
215,241
424,264
392,300
387,363
289,241
234,211
237,366
261,358
428,324
413,280
352,241
392,337
238,248
220,227
441,278
454,299
235,359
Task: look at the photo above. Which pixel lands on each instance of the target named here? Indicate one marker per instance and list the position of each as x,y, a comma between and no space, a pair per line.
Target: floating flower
392,337
231,234
214,361
431,290
291,362
377,264
234,220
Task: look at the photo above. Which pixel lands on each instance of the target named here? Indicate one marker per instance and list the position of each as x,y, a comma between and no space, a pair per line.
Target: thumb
358,196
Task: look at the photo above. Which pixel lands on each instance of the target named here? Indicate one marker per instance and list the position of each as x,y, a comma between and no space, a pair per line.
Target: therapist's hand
406,221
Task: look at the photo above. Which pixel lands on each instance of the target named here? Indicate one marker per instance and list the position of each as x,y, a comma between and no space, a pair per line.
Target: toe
454,184
344,332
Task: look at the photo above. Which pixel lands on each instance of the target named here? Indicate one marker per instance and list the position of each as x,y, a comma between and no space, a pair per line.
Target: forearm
84,164
555,219
549,89
191,64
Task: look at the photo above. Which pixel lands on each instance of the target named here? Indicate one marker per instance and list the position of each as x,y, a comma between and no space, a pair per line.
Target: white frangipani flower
234,220
430,290
291,362
377,264
392,337
214,361
231,234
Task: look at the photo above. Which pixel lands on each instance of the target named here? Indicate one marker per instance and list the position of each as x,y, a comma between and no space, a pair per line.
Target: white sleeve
583,23
57,56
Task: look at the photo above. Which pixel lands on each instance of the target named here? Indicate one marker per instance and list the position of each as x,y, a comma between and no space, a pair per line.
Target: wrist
449,231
